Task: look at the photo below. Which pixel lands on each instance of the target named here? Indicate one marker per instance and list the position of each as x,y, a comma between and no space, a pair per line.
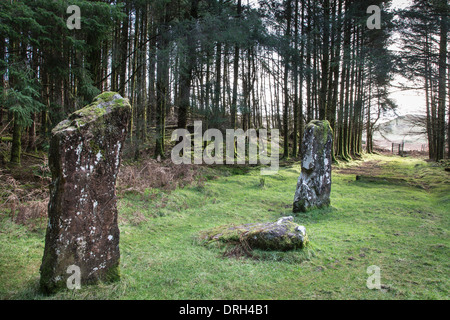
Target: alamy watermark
238,144
374,21
374,279
74,21
73,281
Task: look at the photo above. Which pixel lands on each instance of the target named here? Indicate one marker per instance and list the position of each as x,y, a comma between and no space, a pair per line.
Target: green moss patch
101,105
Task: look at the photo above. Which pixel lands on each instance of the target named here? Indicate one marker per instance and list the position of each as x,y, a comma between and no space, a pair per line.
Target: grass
400,227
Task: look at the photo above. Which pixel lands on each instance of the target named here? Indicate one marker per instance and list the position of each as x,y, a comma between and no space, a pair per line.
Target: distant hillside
409,129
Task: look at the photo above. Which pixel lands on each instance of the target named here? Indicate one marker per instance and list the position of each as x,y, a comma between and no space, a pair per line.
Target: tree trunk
325,62
295,69
16,147
235,76
162,86
440,147
124,51
186,70
285,80
217,110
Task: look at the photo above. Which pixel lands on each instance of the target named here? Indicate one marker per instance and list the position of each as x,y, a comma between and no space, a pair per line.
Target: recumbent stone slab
84,161
282,235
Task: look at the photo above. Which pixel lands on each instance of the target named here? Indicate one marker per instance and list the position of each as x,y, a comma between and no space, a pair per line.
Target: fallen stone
281,235
84,161
314,183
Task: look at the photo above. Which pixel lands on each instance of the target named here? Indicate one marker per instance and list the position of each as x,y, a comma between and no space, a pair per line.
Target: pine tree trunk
235,76
32,134
325,62
440,147
225,85
151,109
124,50
285,80
186,70
217,110
448,124
295,69
308,71
16,147
300,102
2,80
335,74
162,91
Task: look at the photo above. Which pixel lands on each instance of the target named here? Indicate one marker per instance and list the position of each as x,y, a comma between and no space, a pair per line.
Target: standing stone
314,182
84,161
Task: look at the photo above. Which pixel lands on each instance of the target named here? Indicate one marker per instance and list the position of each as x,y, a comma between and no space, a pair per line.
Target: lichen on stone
104,103
84,159
282,235
314,182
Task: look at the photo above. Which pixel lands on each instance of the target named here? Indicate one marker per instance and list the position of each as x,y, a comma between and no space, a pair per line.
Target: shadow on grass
238,251
315,215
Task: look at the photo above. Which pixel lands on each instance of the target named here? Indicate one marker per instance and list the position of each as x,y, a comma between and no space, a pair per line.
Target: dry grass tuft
153,174
32,214
27,204
26,200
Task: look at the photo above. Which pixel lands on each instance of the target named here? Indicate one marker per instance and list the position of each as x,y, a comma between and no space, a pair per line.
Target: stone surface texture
84,160
314,183
282,235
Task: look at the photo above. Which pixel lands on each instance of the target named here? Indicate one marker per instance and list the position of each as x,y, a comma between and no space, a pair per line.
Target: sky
410,101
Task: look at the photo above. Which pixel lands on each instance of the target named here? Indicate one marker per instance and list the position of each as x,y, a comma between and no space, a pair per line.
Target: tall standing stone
314,182
84,161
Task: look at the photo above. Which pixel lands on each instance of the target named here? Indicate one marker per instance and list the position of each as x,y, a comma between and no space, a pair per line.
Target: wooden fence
398,147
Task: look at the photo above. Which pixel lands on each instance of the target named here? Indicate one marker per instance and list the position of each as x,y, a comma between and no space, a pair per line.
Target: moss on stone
323,127
49,285
106,96
98,108
89,141
226,233
266,236
96,148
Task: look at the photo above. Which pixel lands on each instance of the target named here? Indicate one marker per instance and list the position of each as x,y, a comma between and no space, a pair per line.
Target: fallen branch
6,127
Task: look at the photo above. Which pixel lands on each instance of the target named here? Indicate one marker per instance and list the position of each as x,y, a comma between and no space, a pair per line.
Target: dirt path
366,168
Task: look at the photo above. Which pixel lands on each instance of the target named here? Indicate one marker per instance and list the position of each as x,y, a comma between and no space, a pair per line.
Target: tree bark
16,147
235,75
186,69
285,80
440,147
295,69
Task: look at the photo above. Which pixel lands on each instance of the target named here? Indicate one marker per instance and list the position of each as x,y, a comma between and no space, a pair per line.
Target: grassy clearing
401,227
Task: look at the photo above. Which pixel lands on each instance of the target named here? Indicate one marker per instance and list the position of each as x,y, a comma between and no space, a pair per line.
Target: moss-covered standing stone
84,160
314,183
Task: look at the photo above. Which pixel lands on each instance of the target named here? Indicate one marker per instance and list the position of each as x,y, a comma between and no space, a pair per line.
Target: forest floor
394,216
